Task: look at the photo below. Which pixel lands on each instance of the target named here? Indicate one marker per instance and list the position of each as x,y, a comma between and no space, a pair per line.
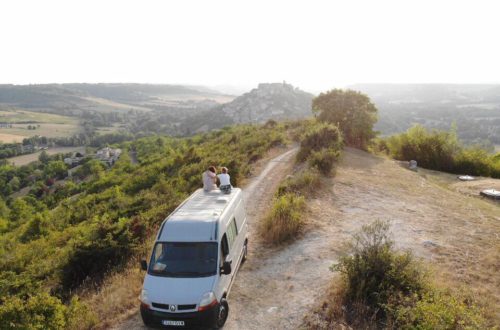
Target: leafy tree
4,210
351,111
15,183
20,210
44,157
56,169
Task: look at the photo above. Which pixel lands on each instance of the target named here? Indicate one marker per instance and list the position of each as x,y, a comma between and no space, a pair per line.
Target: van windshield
184,259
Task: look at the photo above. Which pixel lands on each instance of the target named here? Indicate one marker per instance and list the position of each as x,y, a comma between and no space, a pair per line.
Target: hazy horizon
236,45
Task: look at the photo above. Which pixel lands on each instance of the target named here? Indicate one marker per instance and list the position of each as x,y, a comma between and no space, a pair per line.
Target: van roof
196,219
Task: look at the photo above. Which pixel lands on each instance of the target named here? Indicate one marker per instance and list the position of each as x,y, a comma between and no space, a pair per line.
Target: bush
390,288
374,273
284,220
318,137
324,160
473,161
439,150
40,311
432,149
302,183
438,310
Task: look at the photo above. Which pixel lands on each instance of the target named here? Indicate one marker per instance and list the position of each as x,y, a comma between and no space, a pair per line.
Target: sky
313,44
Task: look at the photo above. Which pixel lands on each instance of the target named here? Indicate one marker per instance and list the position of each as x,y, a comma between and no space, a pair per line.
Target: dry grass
331,313
285,219
456,233
10,138
117,297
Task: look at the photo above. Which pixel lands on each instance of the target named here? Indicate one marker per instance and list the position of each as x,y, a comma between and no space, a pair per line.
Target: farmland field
110,129
10,138
46,124
26,159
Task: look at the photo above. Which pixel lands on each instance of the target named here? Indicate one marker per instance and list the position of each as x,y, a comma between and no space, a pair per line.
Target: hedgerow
440,150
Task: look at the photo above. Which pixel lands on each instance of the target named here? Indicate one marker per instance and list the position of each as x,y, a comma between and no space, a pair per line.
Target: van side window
232,232
224,250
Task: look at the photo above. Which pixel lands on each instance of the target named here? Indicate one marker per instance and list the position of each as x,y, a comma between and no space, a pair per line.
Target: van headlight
144,297
208,300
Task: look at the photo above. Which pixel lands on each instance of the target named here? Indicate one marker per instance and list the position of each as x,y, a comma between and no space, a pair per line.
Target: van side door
224,255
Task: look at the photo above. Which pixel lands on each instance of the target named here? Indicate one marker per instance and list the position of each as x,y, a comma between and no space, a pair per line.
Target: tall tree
351,111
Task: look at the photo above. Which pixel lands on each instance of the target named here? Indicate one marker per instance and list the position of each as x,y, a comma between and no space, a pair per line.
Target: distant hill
278,101
72,98
474,108
269,101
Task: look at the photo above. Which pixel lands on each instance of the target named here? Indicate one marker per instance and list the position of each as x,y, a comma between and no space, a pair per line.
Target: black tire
245,252
146,320
222,314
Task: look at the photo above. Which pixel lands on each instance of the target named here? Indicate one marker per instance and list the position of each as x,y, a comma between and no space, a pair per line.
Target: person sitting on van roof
209,178
225,181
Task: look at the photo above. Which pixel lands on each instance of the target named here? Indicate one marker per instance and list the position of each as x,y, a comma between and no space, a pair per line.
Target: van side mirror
226,268
144,265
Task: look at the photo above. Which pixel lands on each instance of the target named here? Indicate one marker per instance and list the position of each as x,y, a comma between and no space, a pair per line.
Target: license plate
174,323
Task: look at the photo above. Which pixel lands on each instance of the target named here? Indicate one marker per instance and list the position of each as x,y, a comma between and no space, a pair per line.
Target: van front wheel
222,314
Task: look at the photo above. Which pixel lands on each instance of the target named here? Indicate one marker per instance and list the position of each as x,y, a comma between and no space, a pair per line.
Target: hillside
427,213
277,101
72,98
269,101
474,108
58,245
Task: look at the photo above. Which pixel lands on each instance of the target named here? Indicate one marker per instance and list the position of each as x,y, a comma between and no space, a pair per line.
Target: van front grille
185,307
162,306
179,307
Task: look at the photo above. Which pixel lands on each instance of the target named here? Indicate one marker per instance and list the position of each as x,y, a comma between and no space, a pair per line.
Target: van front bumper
191,320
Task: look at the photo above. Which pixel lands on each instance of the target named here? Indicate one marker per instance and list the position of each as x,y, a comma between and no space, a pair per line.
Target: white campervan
197,252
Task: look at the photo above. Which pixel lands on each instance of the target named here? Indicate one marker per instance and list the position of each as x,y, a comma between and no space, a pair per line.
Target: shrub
324,160
438,310
79,316
40,311
473,161
439,150
432,149
302,183
284,220
390,288
107,245
374,273
320,136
